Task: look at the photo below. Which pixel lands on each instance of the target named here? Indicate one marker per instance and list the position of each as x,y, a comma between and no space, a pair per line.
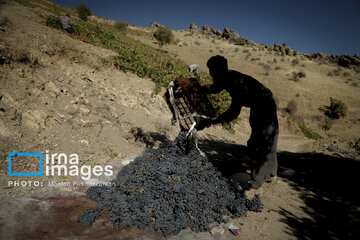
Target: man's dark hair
217,64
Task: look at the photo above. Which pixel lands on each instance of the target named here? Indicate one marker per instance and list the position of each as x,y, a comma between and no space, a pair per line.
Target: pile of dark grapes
167,190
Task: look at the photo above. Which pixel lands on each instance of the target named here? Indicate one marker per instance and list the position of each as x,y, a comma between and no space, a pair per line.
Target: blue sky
331,27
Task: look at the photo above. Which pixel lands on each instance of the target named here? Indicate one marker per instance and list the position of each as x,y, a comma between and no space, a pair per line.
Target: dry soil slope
56,95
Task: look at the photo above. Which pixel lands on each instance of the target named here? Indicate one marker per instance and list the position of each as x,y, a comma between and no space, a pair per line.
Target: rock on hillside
228,34
156,25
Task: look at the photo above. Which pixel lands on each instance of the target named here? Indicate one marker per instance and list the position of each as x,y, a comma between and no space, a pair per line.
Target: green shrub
236,49
266,67
297,75
83,11
121,25
277,68
53,22
336,110
291,107
309,133
163,36
295,62
337,71
327,124
229,126
301,74
355,146
239,41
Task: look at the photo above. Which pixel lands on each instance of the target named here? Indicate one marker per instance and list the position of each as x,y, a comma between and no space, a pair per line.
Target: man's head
217,66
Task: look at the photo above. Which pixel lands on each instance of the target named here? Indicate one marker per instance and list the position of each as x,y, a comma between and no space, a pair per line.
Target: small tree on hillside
83,11
163,36
336,110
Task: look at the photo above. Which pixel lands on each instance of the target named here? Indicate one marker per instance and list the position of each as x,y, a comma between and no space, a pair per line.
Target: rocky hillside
232,36
56,95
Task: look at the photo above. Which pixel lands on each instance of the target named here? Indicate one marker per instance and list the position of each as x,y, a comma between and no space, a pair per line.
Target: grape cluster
255,204
167,190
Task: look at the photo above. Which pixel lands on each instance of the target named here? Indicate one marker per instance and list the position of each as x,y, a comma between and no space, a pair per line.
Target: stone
84,111
230,34
157,25
51,122
288,52
217,230
206,29
193,27
276,47
30,121
40,115
85,142
21,72
321,55
213,30
343,61
4,132
33,119
53,90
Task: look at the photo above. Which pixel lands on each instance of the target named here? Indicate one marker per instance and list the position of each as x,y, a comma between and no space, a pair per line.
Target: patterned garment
66,22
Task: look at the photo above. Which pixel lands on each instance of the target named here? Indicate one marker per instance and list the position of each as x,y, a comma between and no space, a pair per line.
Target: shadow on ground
150,139
328,185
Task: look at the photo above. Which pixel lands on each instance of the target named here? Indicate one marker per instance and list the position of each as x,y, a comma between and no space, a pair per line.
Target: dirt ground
56,95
